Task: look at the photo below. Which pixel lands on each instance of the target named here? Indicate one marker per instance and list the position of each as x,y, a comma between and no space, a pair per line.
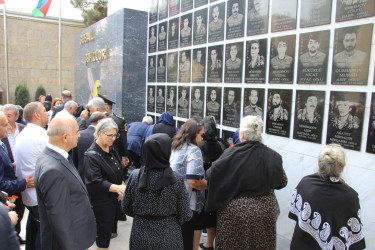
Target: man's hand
30,181
13,217
84,115
125,161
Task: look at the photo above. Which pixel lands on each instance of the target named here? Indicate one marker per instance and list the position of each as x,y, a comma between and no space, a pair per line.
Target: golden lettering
97,55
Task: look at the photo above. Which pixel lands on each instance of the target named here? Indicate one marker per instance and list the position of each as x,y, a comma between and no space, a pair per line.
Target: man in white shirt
70,107
30,145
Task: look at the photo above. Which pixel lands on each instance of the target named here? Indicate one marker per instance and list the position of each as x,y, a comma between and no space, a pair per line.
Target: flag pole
60,84
6,52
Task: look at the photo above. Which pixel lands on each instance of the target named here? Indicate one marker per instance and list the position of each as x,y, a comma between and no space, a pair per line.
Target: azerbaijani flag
42,8
2,2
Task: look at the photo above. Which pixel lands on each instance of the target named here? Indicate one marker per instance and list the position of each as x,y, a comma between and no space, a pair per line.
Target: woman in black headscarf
157,199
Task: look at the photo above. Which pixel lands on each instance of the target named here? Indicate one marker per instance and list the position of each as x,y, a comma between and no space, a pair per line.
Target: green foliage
40,90
92,10
22,95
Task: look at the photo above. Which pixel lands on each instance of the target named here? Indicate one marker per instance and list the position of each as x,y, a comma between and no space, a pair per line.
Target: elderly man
70,107
66,217
30,144
66,96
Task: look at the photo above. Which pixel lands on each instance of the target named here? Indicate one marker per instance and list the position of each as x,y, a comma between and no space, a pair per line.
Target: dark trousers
20,209
33,230
188,234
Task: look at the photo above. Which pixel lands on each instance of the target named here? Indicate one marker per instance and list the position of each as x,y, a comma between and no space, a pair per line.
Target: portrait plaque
278,112
180,123
162,37
257,17
235,18
152,39
152,69
216,23
153,17
345,120
171,99
215,64
351,55
183,101
157,119
213,103
198,3
161,68
184,67
163,9
199,65
185,30
174,27
160,99
151,98
172,67
200,27
315,12
371,128
211,1
232,106
282,59
197,101
233,62
174,7
284,15
228,136
354,9
253,102
313,57
256,61
309,113
186,5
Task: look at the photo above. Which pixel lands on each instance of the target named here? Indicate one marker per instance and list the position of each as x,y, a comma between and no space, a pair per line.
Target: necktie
3,146
71,163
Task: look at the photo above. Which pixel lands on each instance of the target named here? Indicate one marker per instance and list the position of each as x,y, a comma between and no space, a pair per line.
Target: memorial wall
305,66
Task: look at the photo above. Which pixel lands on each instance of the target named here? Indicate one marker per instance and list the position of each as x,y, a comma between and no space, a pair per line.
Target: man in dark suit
66,217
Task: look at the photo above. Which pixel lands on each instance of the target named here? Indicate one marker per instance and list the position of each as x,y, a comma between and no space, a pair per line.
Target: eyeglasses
116,136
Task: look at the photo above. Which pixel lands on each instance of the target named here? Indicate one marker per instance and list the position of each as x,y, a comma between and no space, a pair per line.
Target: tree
40,90
22,95
92,10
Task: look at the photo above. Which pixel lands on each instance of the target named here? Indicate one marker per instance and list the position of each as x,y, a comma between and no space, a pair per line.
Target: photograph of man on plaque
213,97
160,100
151,98
196,102
351,55
183,102
185,30
256,55
215,64
163,9
228,137
198,3
371,128
151,69
184,68
315,12
199,65
173,33
253,102
186,5
153,17
233,62
172,67
232,106
216,25
162,37
309,113
171,100
282,63
257,17
200,27
313,57
345,119
354,9
174,7
278,112
152,39
161,68
284,15
235,18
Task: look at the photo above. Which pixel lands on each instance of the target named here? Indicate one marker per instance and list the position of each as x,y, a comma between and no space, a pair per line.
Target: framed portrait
253,102
172,67
185,30
151,74
172,99
161,68
257,17
284,15
233,62
162,36
197,102
199,65
174,7
199,3
370,148
186,5
215,64
174,27
354,9
152,40
216,23
213,103
256,61
153,14
278,112
163,9
200,27
184,67
160,99
227,136
235,18
183,101
315,12
151,98
232,106
180,123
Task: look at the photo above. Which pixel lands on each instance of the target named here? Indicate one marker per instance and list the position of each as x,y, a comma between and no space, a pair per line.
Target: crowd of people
68,165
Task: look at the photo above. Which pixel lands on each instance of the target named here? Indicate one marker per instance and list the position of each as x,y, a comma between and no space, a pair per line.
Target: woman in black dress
103,177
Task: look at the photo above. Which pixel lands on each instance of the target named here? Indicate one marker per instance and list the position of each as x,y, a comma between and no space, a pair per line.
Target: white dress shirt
12,139
30,144
61,151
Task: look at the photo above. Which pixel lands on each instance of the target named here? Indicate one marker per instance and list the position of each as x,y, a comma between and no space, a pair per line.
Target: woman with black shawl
326,209
157,199
241,187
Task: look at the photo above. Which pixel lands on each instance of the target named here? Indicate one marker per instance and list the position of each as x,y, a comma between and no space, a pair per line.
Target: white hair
252,126
147,119
97,103
70,104
104,125
11,107
331,161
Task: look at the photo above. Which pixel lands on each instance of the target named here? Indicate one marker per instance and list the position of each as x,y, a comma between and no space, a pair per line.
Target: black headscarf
156,152
209,129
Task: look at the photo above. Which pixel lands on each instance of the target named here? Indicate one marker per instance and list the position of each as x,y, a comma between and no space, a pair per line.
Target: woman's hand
120,189
13,217
197,184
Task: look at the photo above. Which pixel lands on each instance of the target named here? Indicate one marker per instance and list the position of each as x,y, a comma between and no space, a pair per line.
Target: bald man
66,218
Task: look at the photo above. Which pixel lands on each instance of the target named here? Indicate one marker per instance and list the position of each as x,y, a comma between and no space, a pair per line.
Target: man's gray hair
252,126
11,107
30,109
58,131
97,103
70,104
1,108
331,161
104,125
147,119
